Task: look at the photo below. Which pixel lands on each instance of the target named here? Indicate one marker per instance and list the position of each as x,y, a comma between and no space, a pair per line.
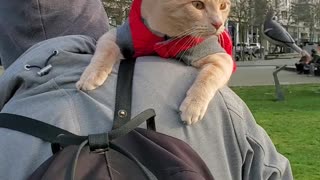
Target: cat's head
186,17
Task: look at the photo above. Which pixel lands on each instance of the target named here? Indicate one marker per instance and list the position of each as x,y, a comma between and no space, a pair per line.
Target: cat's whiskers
190,40
193,40
195,32
194,48
200,50
180,38
186,32
183,34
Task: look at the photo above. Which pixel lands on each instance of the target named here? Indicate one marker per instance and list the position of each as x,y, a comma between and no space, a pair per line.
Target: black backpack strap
122,111
32,127
60,137
39,129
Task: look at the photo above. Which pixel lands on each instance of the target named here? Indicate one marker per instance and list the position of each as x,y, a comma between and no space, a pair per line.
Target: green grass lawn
293,125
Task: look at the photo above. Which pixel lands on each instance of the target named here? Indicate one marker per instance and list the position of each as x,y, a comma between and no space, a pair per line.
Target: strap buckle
99,143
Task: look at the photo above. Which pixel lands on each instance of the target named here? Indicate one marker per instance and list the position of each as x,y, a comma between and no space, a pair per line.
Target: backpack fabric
126,152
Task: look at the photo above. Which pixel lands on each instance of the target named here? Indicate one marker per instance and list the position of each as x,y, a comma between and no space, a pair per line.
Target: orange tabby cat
177,19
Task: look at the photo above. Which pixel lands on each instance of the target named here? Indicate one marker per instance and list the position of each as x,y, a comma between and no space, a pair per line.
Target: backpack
126,152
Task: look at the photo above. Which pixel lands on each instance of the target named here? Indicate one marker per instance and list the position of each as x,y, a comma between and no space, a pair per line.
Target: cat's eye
198,4
223,6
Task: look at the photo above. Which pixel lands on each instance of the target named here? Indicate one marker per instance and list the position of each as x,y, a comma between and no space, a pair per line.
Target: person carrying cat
229,140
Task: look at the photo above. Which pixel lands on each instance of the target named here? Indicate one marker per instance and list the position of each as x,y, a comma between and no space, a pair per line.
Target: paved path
259,72
289,62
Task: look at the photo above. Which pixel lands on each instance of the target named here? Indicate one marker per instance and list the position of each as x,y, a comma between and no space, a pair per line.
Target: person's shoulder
242,119
71,40
253,140
232,101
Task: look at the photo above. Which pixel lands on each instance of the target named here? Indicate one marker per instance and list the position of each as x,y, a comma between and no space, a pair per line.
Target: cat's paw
92,80
193,109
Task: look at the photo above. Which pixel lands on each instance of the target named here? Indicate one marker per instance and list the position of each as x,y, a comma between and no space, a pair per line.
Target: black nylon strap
132,124
122,110
32,127
54,134
60,136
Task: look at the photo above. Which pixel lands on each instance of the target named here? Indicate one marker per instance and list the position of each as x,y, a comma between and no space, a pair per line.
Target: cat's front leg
106,55
215,71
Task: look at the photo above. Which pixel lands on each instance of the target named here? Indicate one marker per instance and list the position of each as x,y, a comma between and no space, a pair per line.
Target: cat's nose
217,25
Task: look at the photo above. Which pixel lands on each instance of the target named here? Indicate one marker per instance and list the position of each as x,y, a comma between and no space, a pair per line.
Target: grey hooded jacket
228,138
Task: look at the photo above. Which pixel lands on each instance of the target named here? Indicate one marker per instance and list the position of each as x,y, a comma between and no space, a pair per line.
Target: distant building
303,30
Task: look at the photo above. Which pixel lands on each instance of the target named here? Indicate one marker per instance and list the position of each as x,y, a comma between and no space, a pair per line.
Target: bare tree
308,13
249,13
240,13
117,10
260,8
